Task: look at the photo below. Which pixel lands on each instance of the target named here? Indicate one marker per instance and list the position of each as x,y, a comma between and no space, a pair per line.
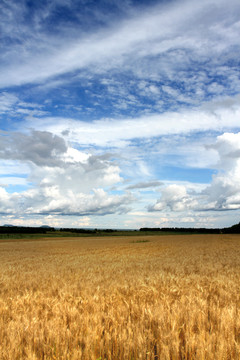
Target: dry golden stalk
172,297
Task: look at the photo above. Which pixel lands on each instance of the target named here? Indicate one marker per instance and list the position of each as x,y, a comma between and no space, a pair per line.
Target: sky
120,114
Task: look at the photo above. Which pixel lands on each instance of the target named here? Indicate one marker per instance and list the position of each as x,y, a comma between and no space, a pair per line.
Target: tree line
235,229
10,229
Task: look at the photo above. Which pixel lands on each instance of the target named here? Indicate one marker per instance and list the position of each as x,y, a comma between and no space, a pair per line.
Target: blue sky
120,114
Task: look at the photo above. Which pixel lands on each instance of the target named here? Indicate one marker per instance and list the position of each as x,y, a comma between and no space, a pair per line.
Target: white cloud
12,107
97,203
222,194
170,219
161,30
79,188
7,201
118,132
7,102
65,181
174,198
224,191
228,148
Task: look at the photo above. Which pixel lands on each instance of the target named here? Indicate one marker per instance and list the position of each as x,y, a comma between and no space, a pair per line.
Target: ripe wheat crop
161,297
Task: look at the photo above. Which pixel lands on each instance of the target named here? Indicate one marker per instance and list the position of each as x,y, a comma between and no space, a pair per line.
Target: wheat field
144,297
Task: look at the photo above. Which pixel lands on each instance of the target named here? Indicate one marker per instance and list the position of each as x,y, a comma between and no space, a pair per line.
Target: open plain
113,298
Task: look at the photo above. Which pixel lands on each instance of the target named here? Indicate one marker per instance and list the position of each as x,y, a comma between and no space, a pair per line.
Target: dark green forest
51,231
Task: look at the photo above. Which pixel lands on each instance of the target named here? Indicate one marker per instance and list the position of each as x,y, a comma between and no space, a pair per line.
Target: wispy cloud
116,132
160,36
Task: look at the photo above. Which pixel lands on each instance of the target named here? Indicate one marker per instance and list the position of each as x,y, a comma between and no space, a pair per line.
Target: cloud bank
64,180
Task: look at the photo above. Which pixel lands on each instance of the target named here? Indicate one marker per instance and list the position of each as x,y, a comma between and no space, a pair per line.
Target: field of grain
145,297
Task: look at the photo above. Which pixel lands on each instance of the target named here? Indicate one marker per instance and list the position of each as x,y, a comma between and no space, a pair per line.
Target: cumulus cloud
228,148
7,201
55,200
65,181
175,198
39,147
52,200
224,191
98,202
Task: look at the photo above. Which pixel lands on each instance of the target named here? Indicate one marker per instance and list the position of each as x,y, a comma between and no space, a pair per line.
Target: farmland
120,297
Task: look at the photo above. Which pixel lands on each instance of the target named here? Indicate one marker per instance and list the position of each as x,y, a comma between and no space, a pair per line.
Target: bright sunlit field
145,297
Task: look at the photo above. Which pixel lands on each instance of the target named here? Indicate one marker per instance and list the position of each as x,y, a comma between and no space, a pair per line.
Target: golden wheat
173,297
